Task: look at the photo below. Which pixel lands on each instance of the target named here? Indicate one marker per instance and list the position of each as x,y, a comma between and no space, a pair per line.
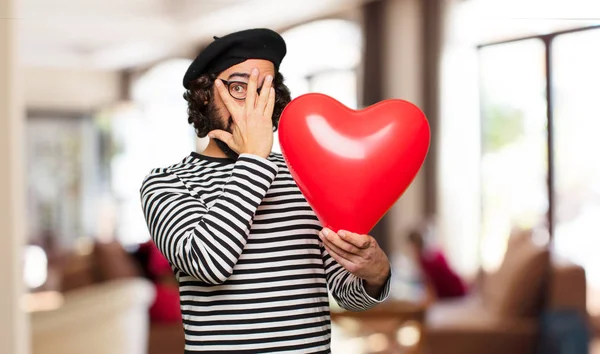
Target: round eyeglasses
238,89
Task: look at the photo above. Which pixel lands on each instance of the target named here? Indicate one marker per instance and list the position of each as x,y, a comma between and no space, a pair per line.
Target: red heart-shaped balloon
352,165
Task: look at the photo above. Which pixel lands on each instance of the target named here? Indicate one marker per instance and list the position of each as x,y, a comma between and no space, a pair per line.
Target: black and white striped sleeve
202,242
347,289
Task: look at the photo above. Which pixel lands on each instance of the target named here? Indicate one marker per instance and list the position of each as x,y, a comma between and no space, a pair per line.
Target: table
393,327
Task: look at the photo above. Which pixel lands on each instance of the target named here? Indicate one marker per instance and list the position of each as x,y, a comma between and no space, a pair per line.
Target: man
252,260
442,282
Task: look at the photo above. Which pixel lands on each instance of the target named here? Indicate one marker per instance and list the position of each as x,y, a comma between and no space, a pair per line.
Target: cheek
223,112
219,105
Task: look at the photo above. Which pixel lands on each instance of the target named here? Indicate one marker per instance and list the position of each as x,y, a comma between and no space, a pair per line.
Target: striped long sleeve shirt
243,242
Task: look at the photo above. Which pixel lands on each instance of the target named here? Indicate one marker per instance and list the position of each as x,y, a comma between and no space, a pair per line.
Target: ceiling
114,35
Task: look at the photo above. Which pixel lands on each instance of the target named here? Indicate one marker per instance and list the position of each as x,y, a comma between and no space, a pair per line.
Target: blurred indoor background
91,100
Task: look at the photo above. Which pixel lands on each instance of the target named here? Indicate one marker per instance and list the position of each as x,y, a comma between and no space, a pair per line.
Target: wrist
380,279
258,154
264,153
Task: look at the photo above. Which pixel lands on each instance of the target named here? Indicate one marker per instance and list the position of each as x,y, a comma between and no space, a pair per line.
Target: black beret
235,48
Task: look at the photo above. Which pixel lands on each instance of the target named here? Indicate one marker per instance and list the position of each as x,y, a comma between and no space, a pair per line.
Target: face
240,74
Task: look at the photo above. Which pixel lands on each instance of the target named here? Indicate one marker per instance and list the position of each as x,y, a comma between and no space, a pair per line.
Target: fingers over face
229,102
270,103
264,93
252,87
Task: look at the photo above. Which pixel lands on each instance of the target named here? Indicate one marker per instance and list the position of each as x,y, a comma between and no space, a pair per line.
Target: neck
213,150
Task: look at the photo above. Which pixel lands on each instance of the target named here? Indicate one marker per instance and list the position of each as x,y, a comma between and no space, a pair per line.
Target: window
576,126
151,132
60,176
323,56
540,123
514,150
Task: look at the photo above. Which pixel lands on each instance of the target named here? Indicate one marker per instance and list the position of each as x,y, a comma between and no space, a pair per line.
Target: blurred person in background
157,269
441,281
252,261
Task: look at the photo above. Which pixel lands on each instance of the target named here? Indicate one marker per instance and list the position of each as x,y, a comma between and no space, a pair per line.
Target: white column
14,330
403,79
459,146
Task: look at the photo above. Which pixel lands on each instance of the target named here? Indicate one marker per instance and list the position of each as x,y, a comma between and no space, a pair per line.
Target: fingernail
218,82
342,233
268,79
255,71
325,232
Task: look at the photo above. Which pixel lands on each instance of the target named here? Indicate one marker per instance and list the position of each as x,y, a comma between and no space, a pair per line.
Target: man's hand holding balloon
360,255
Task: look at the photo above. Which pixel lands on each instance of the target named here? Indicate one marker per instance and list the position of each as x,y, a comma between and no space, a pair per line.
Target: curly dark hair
200,102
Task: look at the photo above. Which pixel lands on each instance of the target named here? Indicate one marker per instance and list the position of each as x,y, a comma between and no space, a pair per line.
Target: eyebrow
243,75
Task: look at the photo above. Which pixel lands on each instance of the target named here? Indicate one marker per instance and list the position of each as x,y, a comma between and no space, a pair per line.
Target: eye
238,87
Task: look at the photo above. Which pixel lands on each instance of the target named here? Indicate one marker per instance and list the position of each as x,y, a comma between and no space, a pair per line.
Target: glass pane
322,45
514,143
58,149
339,84
576,73
298,86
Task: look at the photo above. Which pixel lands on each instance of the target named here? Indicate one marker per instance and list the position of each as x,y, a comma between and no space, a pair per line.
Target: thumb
224,136
360,241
